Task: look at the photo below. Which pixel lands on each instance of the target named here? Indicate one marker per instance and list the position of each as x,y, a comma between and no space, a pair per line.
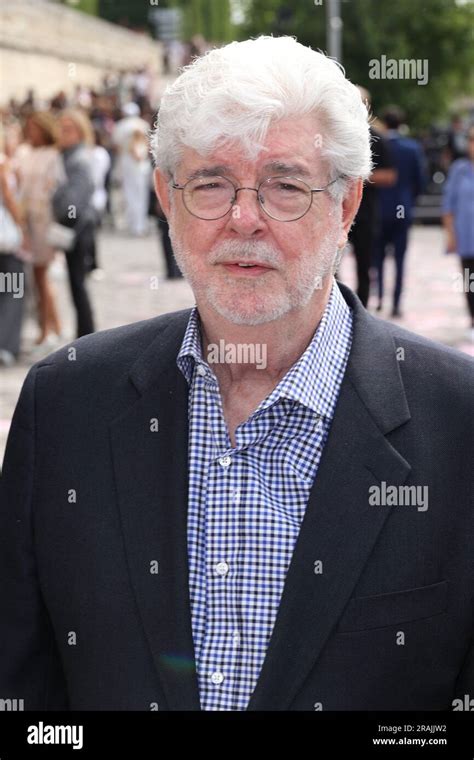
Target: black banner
142,735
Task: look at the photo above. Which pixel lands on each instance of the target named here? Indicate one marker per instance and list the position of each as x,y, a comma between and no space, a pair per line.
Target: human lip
246,268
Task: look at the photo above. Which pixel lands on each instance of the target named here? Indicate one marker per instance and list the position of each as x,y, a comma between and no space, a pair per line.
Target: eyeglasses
285,199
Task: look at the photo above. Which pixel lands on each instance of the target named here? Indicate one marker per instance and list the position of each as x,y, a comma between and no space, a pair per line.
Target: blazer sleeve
465,679
30,668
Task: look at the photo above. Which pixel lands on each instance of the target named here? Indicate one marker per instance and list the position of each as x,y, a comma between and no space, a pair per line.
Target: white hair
234,93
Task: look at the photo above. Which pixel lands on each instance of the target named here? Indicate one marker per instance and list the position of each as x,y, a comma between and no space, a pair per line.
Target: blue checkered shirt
246,503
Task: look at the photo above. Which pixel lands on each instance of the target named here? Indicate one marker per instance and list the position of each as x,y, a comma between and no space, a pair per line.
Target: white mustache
234,249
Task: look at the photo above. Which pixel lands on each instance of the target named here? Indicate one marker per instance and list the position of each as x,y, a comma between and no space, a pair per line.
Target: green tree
211,18
86,6
440,31
128,13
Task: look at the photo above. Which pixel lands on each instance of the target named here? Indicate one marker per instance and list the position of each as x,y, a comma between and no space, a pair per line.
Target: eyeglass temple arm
321,189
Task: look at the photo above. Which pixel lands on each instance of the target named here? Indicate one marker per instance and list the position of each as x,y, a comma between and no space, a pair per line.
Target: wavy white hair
234,93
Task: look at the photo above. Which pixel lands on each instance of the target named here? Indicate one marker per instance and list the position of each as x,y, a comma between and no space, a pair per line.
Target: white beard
250,301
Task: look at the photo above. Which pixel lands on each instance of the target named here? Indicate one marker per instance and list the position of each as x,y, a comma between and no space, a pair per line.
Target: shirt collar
314,379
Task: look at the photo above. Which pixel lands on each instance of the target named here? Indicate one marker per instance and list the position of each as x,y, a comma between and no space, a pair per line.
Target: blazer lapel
152,479
340,528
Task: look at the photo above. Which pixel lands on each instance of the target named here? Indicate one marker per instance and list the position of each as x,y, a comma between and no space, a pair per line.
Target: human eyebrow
269,169
286,169
209,171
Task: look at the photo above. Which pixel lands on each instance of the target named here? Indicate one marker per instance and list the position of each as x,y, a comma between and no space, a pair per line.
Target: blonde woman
40,171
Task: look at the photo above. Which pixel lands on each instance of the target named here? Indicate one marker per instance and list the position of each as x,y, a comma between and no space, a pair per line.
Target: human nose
247,215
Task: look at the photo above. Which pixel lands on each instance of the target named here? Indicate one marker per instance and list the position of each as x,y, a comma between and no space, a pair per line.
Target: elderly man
262,503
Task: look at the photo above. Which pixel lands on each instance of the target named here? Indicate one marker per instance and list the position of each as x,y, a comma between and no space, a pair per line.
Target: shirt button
222,568
217,677
201,370
236,496
225,461
236,639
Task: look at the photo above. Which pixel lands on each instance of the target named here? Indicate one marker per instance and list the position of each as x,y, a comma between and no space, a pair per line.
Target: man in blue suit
396,203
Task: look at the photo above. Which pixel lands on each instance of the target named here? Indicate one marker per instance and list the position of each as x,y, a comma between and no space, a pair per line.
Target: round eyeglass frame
175,186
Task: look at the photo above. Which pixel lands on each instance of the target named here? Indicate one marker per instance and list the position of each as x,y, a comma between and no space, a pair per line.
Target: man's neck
284,341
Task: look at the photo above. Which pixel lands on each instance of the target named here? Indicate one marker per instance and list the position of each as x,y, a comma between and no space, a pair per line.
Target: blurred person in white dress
100,164
133,167
40,171
136,173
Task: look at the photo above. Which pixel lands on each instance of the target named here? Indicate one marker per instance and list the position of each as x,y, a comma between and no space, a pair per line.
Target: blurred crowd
65,167
440,166
70,164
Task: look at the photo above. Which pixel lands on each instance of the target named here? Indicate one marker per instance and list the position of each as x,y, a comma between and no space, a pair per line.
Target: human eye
210,184
286,187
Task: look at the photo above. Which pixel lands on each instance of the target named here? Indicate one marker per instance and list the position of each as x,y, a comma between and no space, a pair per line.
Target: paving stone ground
132,267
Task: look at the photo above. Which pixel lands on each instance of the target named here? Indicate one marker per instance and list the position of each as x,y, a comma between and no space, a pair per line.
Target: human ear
350,207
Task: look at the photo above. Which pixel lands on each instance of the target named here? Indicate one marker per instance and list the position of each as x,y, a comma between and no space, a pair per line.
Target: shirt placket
221,641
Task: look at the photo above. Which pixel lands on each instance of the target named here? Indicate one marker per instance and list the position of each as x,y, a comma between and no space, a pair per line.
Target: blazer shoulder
117,347
424,360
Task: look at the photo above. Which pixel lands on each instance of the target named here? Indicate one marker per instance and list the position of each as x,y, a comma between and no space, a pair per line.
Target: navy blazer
92,495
